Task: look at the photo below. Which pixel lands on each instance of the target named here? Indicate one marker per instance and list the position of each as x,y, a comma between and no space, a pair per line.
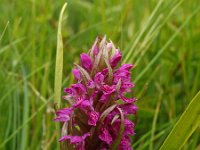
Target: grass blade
59,65
1,36
59,60
186,125
25,130
154,123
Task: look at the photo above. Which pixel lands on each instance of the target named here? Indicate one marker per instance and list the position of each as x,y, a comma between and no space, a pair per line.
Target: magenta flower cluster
97,118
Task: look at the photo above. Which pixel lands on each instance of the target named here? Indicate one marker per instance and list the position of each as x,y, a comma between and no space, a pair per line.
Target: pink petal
99,78
105,136
125,144
129,108
79,88
108,89
86,62
74,139
126,67
115,59
77,74
96,50
69,91
63,115
128,100
90,84
93,118
104,98
62,118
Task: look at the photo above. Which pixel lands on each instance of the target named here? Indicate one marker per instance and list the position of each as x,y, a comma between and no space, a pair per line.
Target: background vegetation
155,35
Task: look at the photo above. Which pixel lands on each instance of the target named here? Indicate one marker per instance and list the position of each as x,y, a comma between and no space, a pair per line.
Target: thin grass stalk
145,26
154,122
148,37
166,45
155,33
24,124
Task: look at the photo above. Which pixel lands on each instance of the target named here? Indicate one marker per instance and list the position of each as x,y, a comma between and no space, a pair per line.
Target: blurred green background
28,39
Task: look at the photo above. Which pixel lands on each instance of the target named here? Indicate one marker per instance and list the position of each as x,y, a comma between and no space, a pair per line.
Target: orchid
98,116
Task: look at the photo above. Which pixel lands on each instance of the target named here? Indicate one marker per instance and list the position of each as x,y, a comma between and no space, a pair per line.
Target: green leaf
186,125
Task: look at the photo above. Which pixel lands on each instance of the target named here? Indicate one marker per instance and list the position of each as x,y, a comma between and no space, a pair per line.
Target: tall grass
160,37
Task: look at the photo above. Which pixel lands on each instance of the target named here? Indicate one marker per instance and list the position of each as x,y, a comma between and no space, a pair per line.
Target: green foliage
160,37
186,125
